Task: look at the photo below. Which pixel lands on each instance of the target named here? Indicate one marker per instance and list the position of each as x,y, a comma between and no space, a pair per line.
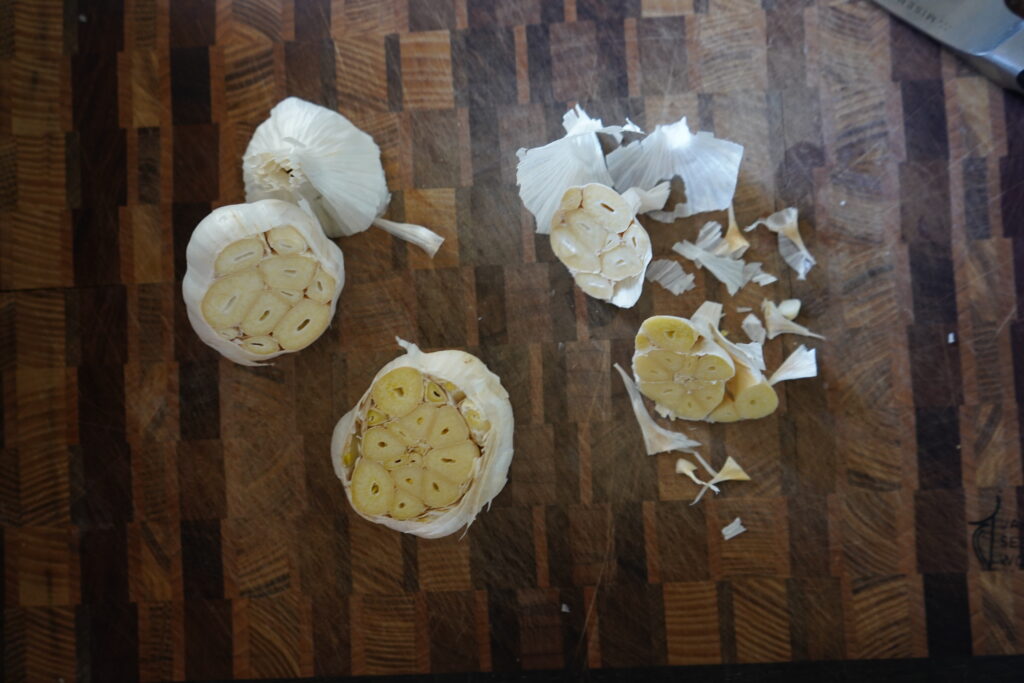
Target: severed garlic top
315,157
262,280
596,235
428,445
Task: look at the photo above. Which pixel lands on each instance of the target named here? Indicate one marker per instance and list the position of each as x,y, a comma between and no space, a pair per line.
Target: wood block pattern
167,515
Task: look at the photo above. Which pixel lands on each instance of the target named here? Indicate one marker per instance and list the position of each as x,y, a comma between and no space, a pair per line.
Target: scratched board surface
169,515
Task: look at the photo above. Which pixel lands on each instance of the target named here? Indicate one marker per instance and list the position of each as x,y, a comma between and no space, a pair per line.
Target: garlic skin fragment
310,155
216,236
791,245
776,323
733,529
670,275
596,236
708,167
657,439
790,308
543,174
490,420
801,364
715,253
754,329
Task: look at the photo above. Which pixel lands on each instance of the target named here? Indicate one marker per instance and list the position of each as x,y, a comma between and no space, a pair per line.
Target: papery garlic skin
223,248
459,379
596,236
315,157
708,167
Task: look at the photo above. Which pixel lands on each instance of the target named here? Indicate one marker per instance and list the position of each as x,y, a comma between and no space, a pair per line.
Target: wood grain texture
170,516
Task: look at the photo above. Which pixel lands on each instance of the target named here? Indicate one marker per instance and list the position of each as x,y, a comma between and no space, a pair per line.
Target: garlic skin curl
454,383
262,280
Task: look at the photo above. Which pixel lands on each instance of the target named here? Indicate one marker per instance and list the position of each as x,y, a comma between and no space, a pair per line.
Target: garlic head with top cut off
596,236
428,444
308,154
262,280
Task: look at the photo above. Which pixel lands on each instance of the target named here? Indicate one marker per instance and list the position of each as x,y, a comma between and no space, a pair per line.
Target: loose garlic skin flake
262,280
596,236
428,444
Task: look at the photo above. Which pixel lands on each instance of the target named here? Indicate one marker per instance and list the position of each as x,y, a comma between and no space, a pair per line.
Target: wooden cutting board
168,515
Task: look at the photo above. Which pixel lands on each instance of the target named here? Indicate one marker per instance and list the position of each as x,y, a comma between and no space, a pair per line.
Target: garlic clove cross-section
428,444
595,234
262,279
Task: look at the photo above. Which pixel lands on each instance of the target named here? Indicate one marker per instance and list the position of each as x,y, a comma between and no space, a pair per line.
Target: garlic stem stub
311,155
596,236
428,444
262,279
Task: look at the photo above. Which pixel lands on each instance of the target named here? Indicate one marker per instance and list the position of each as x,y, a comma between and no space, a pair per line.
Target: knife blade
984,32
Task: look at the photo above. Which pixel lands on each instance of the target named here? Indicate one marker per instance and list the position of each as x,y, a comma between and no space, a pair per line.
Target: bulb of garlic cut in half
544,173
428,444
311,153
596,235
262,280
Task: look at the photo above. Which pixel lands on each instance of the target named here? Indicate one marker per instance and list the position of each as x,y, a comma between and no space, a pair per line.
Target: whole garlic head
428,444
596,235
262,280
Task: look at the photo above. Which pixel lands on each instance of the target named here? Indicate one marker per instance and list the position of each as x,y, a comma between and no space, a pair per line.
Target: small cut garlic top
262,280
428,444
596,235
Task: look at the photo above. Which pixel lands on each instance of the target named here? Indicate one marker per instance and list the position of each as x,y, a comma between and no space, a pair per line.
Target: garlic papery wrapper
428,444
791,245
262,279
733,529
308,152
657,439
731,471
754,329
670,275
776,323
722,259
800,364
708,167
545,173
596,236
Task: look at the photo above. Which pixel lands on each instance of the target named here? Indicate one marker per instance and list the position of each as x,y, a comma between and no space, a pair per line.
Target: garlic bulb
262,280
308,152
545,173
596,235
428,444
708,167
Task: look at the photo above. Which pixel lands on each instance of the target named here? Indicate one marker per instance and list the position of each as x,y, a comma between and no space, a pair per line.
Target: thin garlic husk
776,323
730,471
657,439
308,153
543,174
262,280
670,275
428,445
596,236
722,259
801,364
733,529
708,167
754,329
794,252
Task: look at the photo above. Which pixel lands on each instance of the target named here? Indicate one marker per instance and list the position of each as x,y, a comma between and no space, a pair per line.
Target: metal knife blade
985,32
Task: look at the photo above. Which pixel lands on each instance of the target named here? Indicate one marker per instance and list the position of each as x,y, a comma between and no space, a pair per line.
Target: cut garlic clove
382,443
621,262
290,295
753,395
573,247
415,426
286,240
372,488
229,298
291,271
239,256
454,462
264,315
399,391
406,506
434,393
321,288
438,491
449,428
261,346
409,479
302,325
725,412
595,285
669,332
